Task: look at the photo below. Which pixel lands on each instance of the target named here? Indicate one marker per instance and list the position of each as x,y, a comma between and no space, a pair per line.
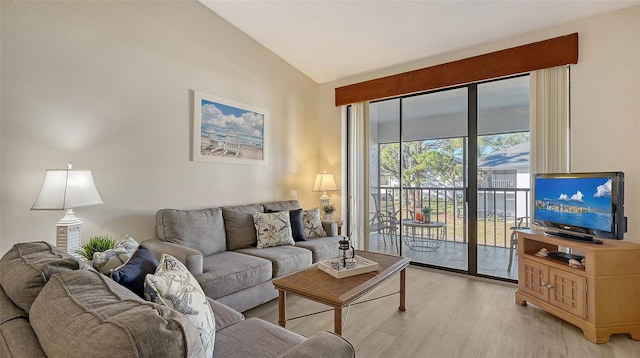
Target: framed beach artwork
226,131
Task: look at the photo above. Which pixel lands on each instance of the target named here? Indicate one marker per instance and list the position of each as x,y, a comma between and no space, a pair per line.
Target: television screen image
583,203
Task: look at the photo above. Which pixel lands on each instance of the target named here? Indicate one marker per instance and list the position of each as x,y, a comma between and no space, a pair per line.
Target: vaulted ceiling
330,40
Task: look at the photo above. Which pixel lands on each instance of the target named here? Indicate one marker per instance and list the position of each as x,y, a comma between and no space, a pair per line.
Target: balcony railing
497,183
498,209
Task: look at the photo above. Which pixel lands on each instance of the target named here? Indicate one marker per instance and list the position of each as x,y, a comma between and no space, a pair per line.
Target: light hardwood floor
449,315
492,260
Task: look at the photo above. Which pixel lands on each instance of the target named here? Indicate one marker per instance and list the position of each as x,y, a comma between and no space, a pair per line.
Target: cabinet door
535,280
568,292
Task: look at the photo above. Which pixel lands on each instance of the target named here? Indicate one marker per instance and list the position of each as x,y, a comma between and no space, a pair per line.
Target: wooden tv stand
602,299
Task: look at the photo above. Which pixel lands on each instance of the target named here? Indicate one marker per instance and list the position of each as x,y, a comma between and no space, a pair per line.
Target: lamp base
324,200
68,234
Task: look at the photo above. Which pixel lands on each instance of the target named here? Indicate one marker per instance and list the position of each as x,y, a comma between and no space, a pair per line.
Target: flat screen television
579,206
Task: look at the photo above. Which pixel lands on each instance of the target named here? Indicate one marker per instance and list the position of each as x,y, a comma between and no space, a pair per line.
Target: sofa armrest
330,227
191,258
322,345
224,315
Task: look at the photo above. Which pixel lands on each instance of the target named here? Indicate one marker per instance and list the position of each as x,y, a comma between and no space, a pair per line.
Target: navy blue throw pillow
131,275
297,225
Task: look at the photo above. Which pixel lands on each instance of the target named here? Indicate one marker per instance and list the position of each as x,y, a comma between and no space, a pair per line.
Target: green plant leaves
96,244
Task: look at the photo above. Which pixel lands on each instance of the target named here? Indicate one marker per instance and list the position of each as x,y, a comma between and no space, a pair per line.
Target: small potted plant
328,211
96,244
426,211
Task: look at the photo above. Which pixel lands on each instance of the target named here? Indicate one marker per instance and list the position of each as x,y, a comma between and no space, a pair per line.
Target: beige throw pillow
313,224
273,229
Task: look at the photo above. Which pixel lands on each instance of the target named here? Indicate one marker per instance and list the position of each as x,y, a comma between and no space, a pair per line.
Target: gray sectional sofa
218,246
53,305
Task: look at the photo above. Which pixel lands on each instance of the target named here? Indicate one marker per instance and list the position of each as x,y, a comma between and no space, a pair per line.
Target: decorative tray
363,265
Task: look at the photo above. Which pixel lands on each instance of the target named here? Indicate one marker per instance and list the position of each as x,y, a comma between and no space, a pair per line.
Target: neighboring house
504,182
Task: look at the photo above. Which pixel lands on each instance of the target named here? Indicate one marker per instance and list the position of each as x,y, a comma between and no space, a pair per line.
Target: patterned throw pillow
273,229
173,285
297,225
108,260
313,224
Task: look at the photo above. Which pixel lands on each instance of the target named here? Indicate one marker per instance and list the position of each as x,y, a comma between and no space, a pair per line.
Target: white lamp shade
324,182
67,188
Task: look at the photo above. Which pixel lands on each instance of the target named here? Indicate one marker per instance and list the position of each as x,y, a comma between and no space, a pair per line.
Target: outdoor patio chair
405,214
521,223
383,219
384,222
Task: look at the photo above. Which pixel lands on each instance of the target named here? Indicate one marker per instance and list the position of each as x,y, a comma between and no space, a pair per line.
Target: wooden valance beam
535,56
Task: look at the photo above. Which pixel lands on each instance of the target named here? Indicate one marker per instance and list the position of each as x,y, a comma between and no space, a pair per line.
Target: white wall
605,96
107,86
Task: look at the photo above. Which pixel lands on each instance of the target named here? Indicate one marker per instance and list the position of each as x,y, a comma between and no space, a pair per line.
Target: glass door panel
434,128
503,172
384,176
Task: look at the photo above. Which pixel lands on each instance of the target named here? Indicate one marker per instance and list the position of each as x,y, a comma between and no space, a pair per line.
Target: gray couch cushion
8,310
201,230
285,259
228,272
266,340
238,225
26,267
79,313
251,297
322,248
281,205
17,339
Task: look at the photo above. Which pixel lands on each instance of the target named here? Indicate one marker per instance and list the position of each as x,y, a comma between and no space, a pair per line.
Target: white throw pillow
173,285
312,223
273,229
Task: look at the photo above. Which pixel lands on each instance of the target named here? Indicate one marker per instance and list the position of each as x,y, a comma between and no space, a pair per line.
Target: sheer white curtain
550,122
358,175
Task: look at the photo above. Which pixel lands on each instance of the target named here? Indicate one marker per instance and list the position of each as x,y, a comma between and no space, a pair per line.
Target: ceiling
330,40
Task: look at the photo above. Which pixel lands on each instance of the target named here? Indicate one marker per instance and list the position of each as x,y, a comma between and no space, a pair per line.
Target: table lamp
66,189
324,182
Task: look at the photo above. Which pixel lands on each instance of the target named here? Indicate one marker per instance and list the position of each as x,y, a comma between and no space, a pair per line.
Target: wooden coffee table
319,286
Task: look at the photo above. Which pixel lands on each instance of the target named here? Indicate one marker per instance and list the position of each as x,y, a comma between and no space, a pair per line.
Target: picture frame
226,131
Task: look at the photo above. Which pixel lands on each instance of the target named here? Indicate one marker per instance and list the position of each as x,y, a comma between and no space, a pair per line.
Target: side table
435,233
339,223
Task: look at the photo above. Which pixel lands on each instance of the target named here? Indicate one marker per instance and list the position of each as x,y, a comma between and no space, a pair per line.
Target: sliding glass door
417,177
503,173
424,152
434,132
384,176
